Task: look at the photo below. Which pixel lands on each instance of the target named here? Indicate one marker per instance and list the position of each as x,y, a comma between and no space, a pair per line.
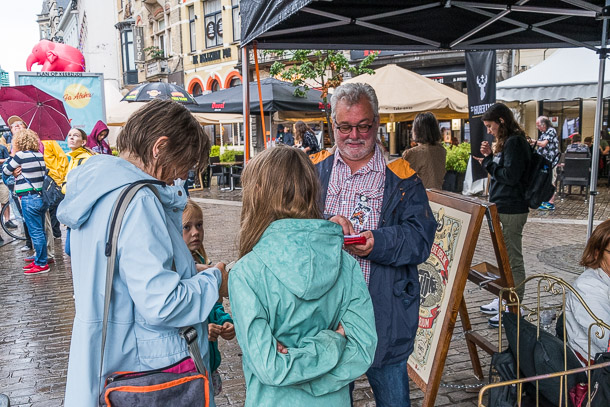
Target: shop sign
138,43
211,56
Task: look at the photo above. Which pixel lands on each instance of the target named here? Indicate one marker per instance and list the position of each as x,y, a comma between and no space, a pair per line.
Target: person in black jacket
508,167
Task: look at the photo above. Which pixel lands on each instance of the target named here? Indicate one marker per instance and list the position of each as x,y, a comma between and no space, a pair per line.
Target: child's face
192,233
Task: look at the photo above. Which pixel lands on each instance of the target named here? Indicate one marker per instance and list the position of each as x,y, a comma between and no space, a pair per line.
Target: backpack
540,186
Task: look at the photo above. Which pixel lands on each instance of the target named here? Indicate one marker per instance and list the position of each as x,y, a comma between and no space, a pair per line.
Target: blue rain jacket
150,301
403,240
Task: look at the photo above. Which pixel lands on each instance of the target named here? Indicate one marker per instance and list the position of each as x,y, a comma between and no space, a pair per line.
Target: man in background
548,147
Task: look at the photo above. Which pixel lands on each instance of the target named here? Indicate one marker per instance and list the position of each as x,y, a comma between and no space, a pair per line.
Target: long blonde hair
278,183
193,211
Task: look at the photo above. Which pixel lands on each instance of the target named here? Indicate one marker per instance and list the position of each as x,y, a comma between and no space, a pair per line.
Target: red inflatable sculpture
56,57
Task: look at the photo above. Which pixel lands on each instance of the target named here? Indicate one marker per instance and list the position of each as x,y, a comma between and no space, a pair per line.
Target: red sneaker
37,269
29,266
50,260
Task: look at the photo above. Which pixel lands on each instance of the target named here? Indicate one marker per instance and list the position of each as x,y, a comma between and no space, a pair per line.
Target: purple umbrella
41,112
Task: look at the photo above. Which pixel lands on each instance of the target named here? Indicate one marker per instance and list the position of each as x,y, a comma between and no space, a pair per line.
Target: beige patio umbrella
402,94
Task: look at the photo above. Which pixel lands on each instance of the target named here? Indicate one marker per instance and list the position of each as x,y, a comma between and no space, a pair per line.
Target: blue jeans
390,384
33,215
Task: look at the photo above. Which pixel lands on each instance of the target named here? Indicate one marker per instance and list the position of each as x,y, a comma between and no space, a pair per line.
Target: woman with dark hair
507,165
157,288
303,314
428,157
305,138
594,286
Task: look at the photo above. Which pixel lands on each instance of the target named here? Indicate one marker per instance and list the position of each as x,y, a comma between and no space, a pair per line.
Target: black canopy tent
278,96
430,25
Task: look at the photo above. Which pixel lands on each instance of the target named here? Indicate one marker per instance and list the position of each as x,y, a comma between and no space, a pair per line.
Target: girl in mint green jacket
303,315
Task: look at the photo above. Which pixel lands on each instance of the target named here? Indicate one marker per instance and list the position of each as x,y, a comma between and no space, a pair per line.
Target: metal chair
576,172
217,171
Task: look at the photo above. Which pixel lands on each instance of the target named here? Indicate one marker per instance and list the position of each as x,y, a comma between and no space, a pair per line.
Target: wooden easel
476,275
477,210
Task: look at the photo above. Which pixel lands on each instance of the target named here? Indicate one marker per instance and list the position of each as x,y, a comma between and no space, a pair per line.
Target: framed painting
442,280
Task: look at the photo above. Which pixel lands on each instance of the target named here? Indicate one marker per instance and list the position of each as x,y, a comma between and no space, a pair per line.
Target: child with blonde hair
219,322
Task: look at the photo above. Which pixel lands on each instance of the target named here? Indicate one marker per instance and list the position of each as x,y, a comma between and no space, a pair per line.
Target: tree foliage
325,68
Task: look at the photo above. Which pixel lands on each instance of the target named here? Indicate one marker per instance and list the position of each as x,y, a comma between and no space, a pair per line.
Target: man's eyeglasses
360,128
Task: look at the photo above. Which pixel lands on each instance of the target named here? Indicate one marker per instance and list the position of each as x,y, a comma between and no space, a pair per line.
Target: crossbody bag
184,383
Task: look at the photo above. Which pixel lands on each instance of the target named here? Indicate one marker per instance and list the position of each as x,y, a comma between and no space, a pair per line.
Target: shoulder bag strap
118,211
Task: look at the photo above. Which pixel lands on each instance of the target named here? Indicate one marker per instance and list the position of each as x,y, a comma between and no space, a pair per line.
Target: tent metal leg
599,111
246,100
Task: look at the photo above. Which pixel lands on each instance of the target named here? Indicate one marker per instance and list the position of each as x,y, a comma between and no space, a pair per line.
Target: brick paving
37,311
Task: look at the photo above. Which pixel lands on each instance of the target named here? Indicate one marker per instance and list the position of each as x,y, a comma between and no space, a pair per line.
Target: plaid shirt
345,190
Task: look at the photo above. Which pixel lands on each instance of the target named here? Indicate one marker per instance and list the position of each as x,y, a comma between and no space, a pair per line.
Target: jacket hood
303,254
99,127
101,175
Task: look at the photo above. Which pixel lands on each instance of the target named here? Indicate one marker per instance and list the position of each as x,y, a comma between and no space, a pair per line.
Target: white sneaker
26,248
491,308
494,321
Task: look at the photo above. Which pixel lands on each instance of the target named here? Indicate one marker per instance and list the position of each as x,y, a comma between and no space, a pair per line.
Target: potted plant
456,164
154,52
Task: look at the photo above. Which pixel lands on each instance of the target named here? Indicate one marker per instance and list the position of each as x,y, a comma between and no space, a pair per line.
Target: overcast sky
18,34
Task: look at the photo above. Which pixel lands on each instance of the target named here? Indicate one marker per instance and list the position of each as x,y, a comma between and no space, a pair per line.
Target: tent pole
599,111
260,96
245,83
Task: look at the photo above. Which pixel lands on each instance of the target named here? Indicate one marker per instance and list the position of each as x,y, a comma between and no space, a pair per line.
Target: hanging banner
481,82
82,93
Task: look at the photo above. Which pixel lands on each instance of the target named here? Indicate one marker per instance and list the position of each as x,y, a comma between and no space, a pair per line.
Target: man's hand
228,331
17,172
223,290
362,250
348,228
213,332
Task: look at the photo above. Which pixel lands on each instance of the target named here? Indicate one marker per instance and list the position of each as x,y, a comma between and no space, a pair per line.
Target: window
197,90
161,39
213,23
192,28
235,82
130,74
236,20
215,86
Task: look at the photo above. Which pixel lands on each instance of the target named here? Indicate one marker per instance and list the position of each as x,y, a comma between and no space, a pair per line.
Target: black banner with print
481,82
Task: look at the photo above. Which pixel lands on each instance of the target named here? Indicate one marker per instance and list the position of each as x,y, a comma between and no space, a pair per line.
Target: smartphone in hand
353,239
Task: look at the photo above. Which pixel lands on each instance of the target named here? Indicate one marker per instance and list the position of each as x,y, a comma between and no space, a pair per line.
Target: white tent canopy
567,74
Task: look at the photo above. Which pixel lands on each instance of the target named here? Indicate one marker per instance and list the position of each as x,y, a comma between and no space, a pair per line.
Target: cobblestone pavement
37,311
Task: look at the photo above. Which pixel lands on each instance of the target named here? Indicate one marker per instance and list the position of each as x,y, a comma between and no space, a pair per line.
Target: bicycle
16,227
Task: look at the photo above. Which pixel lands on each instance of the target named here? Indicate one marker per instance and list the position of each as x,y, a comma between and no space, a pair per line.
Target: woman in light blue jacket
302,312
157,288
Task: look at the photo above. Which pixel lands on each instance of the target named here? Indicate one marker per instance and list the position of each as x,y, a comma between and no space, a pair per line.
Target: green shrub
457,157
215,151
228,155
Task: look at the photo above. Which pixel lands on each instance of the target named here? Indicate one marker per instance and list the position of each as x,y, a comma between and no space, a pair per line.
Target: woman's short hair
544,120
425,128
279,183
187,144
26,140
597,243
351,93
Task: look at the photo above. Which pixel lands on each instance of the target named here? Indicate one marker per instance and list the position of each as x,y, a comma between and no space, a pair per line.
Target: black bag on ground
538,356
502,368
540,187
600,382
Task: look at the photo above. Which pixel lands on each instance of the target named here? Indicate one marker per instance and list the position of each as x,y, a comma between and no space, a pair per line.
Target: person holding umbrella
27,165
